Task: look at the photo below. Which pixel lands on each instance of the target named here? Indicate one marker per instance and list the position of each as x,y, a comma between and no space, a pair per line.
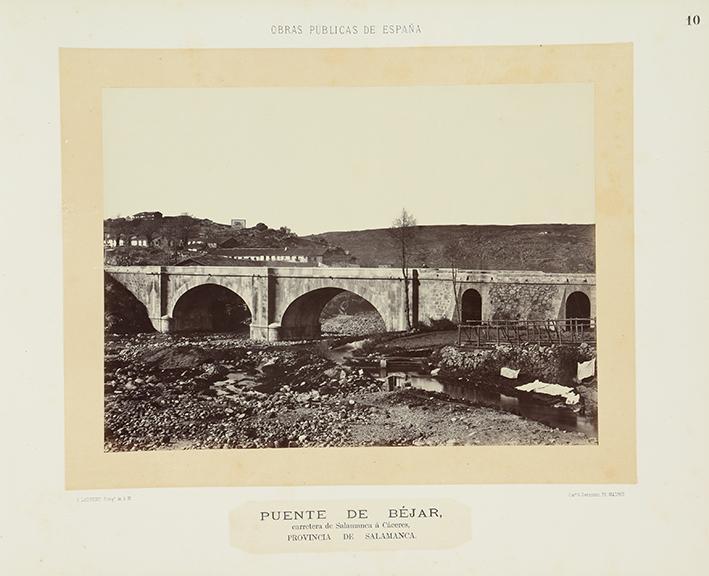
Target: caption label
321,526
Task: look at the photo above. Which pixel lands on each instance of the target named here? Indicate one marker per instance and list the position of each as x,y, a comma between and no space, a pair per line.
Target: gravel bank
224,391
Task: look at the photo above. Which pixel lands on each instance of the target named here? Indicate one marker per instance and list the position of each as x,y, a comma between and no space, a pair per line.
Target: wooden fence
490,332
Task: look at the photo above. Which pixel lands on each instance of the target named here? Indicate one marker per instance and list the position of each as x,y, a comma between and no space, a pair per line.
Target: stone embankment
549,363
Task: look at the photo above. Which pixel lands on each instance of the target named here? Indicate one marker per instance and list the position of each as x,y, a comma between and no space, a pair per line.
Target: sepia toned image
349,266
334,287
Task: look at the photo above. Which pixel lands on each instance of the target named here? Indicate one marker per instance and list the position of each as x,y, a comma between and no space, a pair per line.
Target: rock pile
359,324
188,396
550,363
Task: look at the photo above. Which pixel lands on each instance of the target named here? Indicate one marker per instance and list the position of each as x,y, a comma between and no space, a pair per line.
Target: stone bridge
286,303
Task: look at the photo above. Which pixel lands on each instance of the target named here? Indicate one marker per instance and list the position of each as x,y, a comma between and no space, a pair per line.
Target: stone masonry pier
285,303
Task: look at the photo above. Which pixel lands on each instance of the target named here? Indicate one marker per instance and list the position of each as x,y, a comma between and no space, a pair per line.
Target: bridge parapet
507,276
286,302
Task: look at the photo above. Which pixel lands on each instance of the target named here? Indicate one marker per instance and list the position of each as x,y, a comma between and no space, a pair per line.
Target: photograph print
294,267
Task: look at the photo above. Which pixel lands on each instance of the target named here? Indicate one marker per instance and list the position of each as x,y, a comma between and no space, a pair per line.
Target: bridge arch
124,310
578,306
471,306
301,319
210,307
181,283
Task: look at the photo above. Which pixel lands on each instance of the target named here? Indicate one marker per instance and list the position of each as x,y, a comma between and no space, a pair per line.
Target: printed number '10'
693,20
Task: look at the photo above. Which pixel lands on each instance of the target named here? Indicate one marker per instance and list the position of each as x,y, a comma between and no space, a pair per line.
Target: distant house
111,241
138,240
211,259
238,223
230,243
148,216
161,241
196,244
296,255
208,260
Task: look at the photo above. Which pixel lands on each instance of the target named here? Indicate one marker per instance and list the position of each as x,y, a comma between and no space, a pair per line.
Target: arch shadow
210,308
302,319
471,303
578,307
124,313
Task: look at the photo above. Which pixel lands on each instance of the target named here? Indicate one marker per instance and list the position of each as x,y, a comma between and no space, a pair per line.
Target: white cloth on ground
509,373
545,388
532,386
572,398
554,390
586,369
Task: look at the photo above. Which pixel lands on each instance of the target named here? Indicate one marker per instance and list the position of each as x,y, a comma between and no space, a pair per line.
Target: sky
340,158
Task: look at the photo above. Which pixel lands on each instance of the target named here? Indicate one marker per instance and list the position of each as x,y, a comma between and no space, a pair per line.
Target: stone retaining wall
551,363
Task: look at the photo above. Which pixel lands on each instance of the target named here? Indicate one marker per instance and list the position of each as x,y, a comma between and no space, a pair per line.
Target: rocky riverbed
165,391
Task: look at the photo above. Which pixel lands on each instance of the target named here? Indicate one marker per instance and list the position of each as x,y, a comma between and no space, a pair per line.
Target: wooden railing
490,332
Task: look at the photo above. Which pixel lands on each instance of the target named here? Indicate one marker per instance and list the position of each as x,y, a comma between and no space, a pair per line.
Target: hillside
545,247
170,239
181,229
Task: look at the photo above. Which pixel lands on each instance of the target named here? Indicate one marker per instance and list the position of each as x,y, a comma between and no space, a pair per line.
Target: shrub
438,325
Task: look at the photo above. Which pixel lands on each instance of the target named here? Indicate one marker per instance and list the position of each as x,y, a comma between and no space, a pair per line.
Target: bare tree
403,229
452,252
149,228
184,226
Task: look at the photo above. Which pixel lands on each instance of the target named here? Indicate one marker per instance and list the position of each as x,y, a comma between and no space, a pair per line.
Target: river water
561,417
557,417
